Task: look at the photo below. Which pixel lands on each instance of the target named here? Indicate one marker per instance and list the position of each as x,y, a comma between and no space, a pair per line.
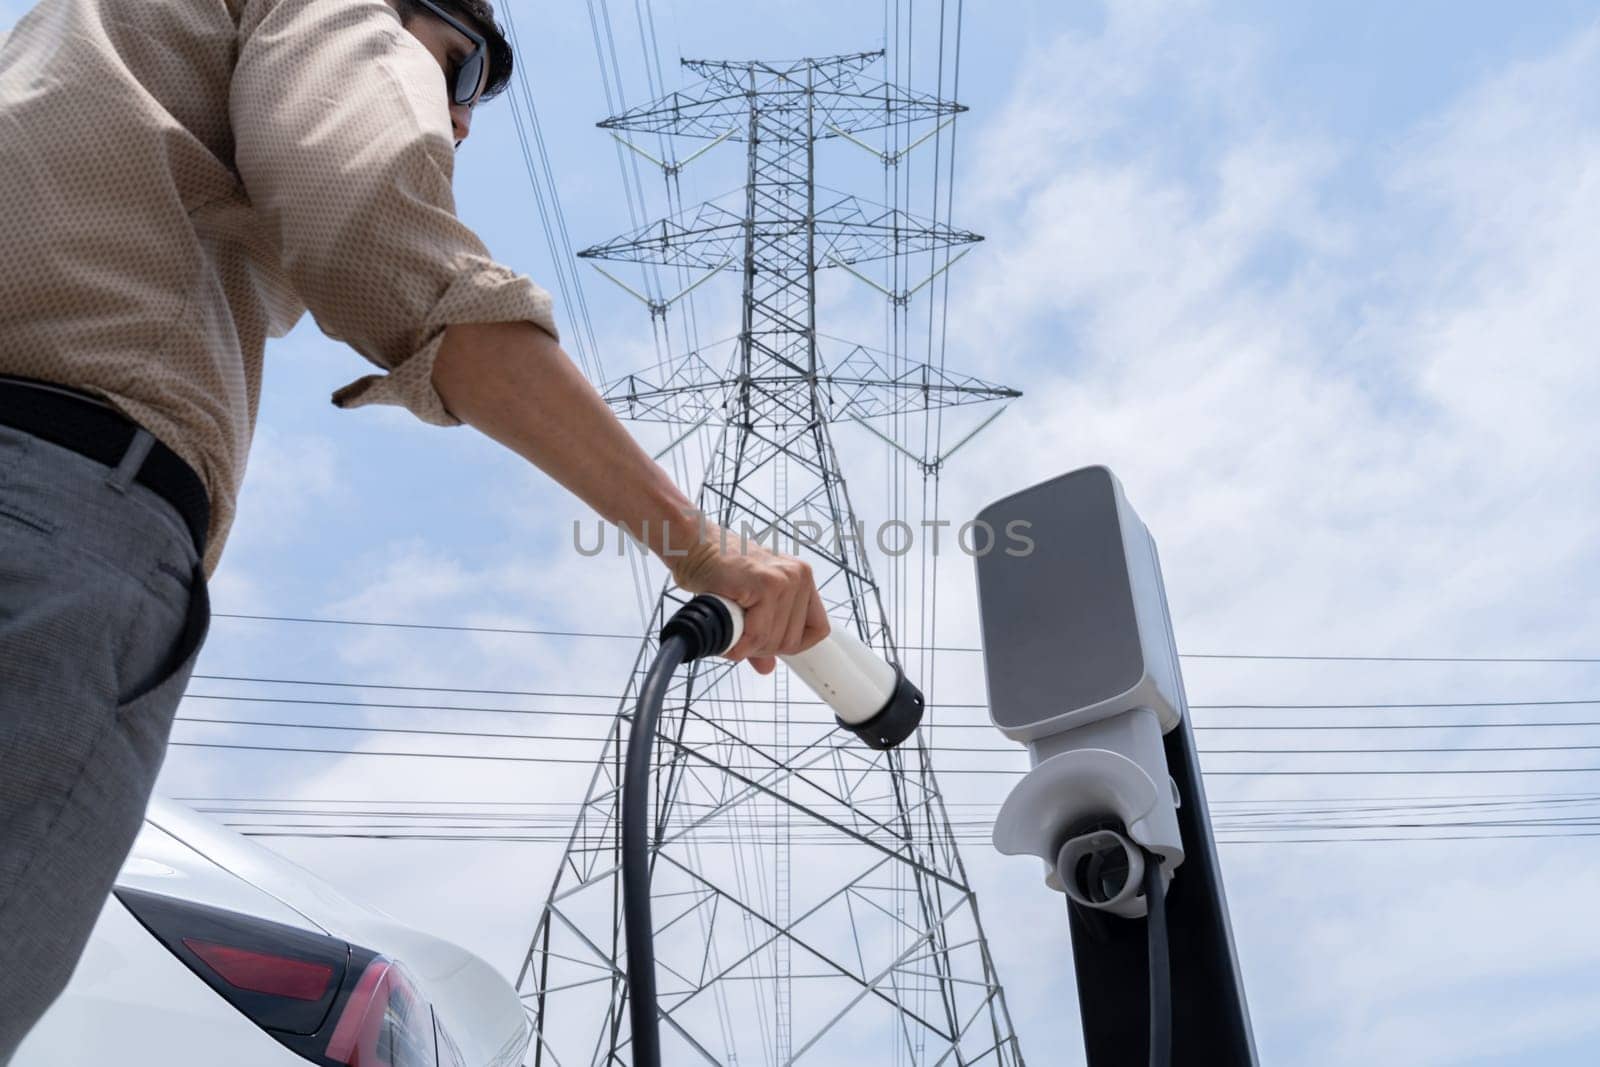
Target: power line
746,720
767,768
1384,707
1389,840
1460,798
551,215
573,695
970,832
1222,839
429,626
552,824
975,813
537,820
1394,659
361,752
994,749
599,635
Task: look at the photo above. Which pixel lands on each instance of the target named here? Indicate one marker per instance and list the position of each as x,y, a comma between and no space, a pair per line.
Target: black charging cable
1155,900
702,627
1102,875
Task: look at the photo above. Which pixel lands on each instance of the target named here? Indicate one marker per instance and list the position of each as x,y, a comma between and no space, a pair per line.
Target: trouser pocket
171,674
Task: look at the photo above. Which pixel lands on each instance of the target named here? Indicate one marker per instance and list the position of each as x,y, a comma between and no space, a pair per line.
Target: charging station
1082,668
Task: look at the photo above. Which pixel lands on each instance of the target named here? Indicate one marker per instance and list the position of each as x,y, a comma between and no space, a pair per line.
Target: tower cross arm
847,230
845,101
863,387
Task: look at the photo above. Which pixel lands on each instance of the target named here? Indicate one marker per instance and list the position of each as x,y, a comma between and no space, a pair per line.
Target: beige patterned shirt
180,179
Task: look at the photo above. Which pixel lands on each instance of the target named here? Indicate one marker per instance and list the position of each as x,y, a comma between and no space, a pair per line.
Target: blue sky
1314,279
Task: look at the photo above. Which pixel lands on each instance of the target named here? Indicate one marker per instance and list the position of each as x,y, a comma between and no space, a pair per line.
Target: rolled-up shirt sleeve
343,142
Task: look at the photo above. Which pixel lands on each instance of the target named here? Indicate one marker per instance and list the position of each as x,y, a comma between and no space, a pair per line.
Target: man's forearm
513,382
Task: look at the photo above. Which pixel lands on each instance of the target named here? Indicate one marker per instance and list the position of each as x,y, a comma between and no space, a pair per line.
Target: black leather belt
65,417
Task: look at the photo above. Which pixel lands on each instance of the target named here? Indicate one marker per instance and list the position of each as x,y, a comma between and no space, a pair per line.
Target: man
180,181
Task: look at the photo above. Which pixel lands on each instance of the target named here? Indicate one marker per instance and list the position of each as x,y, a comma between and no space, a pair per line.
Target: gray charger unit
1090,683
1082,668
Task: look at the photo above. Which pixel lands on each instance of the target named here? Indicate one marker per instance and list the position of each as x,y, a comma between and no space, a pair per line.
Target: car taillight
384,1023
284,979
335,1004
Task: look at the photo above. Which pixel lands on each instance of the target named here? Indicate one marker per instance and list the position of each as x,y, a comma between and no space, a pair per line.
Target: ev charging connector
870,697
1082,668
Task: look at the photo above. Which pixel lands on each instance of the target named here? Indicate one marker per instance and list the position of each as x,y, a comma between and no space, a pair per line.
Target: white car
213,950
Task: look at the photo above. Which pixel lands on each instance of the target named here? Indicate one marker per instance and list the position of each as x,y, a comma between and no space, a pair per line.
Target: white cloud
292,478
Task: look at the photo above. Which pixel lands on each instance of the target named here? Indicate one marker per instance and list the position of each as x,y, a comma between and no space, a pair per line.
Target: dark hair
479,14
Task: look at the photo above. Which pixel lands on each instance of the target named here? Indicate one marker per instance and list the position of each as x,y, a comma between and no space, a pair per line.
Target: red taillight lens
261,972
384,1023
284,979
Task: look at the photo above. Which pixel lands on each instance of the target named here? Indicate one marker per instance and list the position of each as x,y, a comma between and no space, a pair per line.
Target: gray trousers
102,609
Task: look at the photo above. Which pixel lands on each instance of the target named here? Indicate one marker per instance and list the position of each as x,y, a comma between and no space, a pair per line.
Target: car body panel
161,863
181,853
133,1003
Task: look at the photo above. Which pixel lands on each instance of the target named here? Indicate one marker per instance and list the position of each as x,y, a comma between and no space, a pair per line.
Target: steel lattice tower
810,903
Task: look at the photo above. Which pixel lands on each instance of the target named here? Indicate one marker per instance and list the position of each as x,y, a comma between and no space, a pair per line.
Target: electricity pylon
810,902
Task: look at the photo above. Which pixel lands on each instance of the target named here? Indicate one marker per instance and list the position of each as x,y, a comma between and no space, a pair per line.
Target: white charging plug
869,696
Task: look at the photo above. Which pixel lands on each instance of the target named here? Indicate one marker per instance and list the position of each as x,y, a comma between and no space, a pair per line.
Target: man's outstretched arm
353,177
513,382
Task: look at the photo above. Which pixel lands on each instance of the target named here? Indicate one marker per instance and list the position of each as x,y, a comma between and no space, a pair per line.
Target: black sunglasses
472,72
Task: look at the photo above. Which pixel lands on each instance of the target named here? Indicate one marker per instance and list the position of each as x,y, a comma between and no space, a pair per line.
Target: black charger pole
1210,1019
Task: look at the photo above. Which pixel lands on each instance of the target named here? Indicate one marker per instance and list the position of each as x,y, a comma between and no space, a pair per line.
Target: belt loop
132,460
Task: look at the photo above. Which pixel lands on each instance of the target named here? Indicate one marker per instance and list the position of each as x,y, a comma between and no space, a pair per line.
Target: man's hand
783,612
512,381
